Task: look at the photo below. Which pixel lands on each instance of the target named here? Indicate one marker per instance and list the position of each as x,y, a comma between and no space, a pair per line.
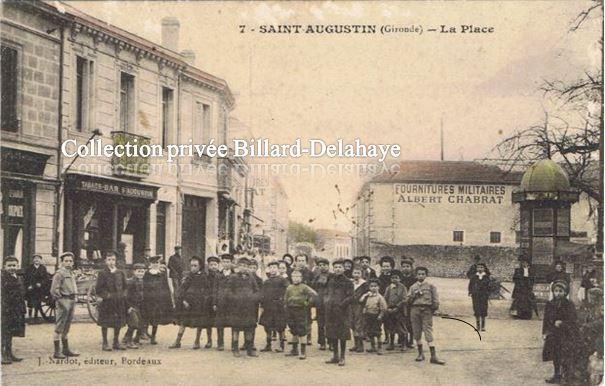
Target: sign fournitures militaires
419,193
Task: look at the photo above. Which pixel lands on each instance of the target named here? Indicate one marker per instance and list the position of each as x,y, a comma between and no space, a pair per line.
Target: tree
300,233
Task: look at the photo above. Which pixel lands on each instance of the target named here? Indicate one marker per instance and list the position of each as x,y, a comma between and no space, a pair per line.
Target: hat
387,259
273,262
338,261
65,254
243,260
322,260
226,256
481,264
138,266
407,260
396,273
147,249
560,284
421,268
213,258
155,259
375,281
368,258
524,258
37,255
356,258
348,261
177,247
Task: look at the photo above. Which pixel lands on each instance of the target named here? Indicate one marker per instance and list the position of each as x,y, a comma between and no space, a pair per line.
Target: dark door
194,227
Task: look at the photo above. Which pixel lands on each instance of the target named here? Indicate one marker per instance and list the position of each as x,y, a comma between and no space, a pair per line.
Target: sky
392,89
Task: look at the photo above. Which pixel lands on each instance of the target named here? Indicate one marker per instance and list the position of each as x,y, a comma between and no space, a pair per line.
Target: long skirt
480,304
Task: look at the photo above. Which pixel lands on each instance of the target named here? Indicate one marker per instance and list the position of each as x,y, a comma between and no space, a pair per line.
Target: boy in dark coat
348,268
272,300
13,308
298,299
394,317
407,279
211,293
338,297
319,284
478,290
189,306
367,271
134,302
387,264
36,282
222,305
243,294
360,287
562,342
157,302
175,268
111,291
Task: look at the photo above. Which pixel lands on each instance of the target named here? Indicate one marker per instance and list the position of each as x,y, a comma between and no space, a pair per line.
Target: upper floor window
83,93
8,80
126,102
495,237
167,111
458,236
202,122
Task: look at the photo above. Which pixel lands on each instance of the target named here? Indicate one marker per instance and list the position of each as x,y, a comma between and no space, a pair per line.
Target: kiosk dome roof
545,176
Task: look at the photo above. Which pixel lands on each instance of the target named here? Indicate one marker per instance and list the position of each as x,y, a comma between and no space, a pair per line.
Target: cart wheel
91,303
47,309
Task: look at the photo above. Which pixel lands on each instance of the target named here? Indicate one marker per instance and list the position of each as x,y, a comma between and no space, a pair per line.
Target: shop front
194,226
101,213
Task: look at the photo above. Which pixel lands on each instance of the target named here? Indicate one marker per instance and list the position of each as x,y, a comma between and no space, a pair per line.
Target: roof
545,176
448,172
330,233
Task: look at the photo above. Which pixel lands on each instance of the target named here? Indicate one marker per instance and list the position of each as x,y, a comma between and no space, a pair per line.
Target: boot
235,348
483,323
66,351
303,351
410,340
379,350
341,361
117,345
556,379
9,351
282,344
434,359
58,354
391,345
360,346
177,342
196,345
250,351
294,351
267,347
208,338
354,348
420,356
220,340
372,345
6,359
478,323
106,347
335,358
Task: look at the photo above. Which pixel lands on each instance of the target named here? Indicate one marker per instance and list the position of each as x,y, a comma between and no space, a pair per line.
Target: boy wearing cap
134,302
221,303
360,287
319,284
111,292
423,301
272,299
407,279
394,318
478,290
297,300
63,290
374,308
13,308
338,297
211,285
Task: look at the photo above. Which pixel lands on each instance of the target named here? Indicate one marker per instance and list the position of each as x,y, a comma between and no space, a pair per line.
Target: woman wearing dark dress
111,290
523,295
478,290
13,308
157,302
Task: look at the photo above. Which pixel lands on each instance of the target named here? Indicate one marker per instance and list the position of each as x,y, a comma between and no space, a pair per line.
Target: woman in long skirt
157,302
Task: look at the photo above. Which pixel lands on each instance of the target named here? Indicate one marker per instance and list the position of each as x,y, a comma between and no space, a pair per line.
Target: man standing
63,290
175,265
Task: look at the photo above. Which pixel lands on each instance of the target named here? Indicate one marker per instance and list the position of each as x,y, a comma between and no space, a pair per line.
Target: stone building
442,214
85,79
271,207
334,244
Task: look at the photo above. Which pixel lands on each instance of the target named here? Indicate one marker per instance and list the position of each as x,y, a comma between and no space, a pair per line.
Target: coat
211,296
175,265
384,280
192,291
13,305
523,296
407,281
243,295
479,290
134,300
111,287
272,300
222,302
38,280
356,309
336,302
396,299
157,302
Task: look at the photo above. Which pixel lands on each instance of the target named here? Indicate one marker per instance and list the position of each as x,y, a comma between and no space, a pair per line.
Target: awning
111,185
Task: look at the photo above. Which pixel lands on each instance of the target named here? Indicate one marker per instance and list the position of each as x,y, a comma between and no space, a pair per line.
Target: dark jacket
565,338
479,290
211,296
175,265
111,287
13,305
320,285
243,295
272,300
336,301
384,280
407,281
369,273
307,276
222,301
192,290
134,293
33,277
157,302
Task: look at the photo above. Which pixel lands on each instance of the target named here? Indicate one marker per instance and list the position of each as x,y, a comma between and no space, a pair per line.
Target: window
83,93
10,121
495,237
126,102
167,108
160,230
203,129
458,236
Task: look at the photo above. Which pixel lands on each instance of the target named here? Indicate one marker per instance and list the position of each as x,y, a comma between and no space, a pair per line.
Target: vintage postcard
301,192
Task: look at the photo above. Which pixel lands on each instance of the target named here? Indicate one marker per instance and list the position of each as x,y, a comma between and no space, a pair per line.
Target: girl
111,291
157,302
13,308
189,302
478,290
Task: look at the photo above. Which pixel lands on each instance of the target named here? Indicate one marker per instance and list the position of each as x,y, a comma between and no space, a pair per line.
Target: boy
273,317
360,287
63,290
175,268
189,303
348,263
387,264
367,271
302,264
221,304
111,292
211,293
478,290
253,269
134,302
36,278
297,299
424,301
243,294
338,297
283,270
13,309
562,342
407,279
374,308
319,285
157,302
394,318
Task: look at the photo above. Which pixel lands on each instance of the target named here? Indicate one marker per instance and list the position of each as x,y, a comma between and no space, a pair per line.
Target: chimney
189,57
170,33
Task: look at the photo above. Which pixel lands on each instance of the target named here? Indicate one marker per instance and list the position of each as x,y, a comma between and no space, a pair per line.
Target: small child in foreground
373,311
298,300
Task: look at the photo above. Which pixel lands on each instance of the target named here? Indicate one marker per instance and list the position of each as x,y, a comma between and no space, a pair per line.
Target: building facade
81,79
333,244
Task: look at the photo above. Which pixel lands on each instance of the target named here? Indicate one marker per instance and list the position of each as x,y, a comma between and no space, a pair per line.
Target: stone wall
452,261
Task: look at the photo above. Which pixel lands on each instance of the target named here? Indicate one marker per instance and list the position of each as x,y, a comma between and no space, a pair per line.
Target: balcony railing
130,166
